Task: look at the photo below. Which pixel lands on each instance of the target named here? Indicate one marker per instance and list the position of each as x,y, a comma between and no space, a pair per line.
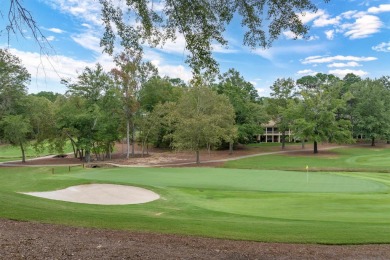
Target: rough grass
261,205
13,153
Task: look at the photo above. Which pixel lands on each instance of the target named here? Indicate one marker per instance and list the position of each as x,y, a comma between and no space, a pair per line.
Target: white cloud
380,9
176,47
47,71
88,41
342,65
383,47
173,71
87,10
306,72
329,59
363,27
349,14
313,38
341,73
325,20
310,16
330,34
50,38
290,35
271,53
56,30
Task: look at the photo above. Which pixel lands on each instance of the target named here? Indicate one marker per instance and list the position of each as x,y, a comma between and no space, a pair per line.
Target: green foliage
316,113
249,114
47,94
283,94
371,109
16,130
202,23
158,90
203,119
13,80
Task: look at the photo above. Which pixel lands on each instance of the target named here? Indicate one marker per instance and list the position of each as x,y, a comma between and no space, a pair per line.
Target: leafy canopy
201,23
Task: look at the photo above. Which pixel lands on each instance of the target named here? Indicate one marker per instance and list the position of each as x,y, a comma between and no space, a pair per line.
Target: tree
371,111
316,115
16,130
51,96
13,80
90,114
283,92
129,76
203,119
201,23
249,114
159,90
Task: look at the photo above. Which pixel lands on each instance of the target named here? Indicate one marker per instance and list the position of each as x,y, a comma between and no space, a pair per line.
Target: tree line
133,103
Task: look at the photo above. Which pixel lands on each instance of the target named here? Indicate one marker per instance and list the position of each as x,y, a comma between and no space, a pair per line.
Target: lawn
13,153
243,204
340,159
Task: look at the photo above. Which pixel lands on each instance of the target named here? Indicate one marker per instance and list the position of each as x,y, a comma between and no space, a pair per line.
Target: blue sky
345,36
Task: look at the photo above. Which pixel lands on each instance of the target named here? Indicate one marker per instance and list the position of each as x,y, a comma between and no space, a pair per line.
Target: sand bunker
103,194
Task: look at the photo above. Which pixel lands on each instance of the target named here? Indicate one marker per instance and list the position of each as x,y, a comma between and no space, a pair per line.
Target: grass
341,159
244,204
13,153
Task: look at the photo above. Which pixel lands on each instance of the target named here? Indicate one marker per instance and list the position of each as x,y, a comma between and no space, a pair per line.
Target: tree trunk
315,147
87,156
373,141
283,140
303,143
128,139
23,154
197,157
132,140
230,148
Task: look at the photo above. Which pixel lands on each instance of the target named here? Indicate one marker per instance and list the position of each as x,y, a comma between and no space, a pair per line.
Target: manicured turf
341,159
261,205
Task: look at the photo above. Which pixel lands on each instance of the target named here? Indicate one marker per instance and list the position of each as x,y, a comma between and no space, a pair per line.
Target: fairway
261,205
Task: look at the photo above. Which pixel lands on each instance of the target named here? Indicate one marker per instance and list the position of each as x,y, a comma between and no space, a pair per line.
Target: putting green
238,179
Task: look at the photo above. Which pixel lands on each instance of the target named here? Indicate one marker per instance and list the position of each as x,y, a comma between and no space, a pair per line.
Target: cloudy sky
346,36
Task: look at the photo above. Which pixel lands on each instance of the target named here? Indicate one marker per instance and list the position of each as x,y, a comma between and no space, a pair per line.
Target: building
272,135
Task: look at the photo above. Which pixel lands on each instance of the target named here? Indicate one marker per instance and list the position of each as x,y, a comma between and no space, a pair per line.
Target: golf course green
270,205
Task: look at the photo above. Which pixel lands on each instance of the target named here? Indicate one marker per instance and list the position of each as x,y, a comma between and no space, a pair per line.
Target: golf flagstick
307,173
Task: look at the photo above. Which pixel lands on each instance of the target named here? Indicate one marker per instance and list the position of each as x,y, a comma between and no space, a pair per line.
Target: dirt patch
27,240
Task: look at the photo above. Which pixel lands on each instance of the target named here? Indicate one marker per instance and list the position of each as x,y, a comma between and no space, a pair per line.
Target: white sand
103,194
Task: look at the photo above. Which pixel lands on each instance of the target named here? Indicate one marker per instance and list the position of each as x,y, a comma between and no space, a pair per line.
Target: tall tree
249,114
282,93
14,78
16,131
316,115
371,111
90,115
131,72
201,23
203,119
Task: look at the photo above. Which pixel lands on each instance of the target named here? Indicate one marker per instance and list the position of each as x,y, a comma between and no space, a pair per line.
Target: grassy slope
238,204
341,159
